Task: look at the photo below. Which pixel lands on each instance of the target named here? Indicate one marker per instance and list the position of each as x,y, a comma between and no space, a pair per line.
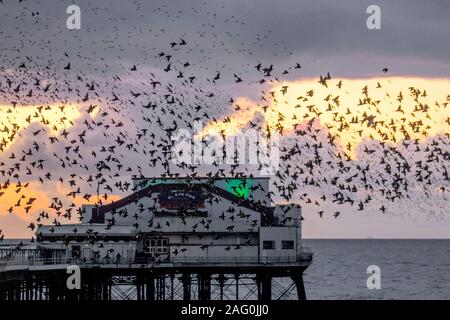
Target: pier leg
150,287
143,290
186,279
162,287
221,284
204,286
41,289
105,293
172,276
138,289
266,287
298,280
237,286
157,287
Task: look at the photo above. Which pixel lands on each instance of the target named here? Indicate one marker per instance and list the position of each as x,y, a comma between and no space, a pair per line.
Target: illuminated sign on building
239,187
180,200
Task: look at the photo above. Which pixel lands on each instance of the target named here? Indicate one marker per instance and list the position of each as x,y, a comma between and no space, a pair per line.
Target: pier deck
142,279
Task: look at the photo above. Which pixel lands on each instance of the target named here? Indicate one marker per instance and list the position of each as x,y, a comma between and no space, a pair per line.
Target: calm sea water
410,269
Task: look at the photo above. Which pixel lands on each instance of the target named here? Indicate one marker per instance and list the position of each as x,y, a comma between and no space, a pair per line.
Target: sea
408,269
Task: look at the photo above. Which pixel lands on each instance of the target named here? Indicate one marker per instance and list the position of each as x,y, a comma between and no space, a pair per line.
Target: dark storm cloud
332,35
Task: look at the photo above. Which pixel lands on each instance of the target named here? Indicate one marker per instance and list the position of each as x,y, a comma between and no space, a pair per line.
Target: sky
229,37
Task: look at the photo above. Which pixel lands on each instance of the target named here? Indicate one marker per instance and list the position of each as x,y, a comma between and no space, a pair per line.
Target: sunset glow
384,109
55,117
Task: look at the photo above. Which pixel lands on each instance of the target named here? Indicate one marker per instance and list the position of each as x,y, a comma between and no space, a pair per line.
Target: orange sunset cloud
390,109
55,117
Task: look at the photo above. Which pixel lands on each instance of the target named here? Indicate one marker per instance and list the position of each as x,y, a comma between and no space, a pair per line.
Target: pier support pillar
265,287
150,287
105,289
237,285
186,280
298,280
221,279
161,287
172,277
204,286
138,290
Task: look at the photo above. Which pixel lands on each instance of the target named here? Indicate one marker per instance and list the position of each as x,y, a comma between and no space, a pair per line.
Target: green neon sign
152,182
239,187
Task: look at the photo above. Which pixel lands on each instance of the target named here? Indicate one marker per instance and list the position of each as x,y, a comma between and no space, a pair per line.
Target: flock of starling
73,127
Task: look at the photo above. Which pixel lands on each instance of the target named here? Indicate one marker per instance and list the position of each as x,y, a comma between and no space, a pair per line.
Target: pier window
97,216
287,244
76,252
156,247
268,245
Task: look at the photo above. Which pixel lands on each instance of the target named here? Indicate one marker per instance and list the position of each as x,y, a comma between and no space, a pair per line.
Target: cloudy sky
228,37
325,35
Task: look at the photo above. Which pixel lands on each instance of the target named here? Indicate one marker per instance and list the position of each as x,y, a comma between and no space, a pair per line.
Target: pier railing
305,257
